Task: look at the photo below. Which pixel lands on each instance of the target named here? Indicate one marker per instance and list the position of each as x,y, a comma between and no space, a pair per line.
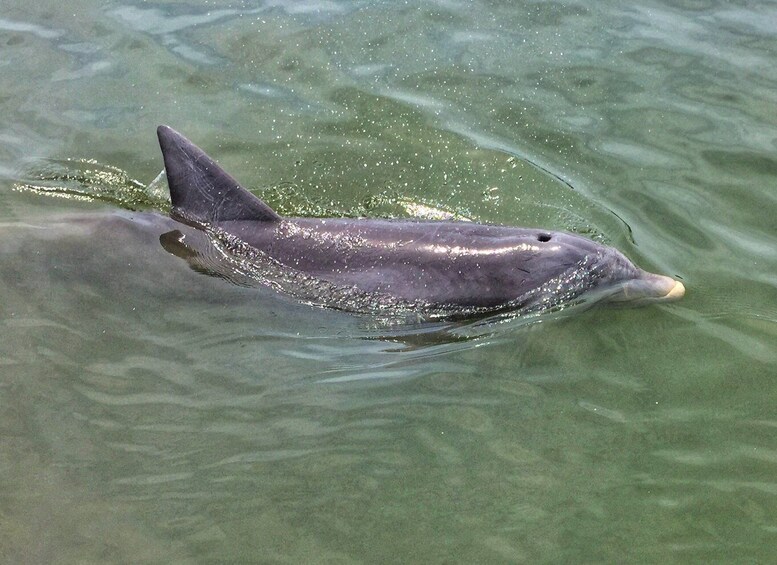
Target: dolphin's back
452,263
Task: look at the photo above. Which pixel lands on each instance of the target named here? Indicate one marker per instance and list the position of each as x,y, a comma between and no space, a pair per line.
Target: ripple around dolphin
228,258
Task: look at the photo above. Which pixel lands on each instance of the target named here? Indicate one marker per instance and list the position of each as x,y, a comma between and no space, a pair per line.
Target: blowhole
543,237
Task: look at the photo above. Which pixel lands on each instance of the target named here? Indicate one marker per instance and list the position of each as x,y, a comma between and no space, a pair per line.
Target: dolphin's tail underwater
200,190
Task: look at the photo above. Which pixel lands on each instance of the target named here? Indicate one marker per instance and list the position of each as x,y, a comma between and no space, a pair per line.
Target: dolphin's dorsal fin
200,190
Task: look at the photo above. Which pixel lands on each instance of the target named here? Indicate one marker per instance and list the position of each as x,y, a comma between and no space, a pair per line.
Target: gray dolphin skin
437,268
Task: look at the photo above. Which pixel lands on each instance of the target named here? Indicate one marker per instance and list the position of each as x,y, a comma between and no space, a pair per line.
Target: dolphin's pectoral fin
200,190
174,242
197,249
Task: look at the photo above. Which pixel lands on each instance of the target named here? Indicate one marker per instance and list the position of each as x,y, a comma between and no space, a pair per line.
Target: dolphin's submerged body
433,268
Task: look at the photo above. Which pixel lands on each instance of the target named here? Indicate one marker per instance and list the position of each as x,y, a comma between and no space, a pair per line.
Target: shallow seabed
151,413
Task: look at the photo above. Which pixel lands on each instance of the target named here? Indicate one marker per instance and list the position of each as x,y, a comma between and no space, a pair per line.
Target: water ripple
24,27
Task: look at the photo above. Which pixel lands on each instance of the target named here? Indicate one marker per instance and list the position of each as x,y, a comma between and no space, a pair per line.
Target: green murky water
149,413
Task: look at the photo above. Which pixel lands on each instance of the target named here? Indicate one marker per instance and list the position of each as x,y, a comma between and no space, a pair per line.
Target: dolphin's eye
543,237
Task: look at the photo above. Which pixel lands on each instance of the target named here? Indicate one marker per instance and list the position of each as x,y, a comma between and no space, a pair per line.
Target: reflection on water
150,413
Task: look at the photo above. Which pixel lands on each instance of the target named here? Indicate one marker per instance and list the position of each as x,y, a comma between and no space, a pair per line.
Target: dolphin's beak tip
676,292
654,288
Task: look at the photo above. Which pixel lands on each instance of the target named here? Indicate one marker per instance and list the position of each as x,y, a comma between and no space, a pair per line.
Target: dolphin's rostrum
437,268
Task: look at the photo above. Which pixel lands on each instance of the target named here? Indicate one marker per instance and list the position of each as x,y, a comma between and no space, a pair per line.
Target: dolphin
434,268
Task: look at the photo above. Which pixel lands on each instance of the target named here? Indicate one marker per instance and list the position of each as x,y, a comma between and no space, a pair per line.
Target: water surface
150,413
